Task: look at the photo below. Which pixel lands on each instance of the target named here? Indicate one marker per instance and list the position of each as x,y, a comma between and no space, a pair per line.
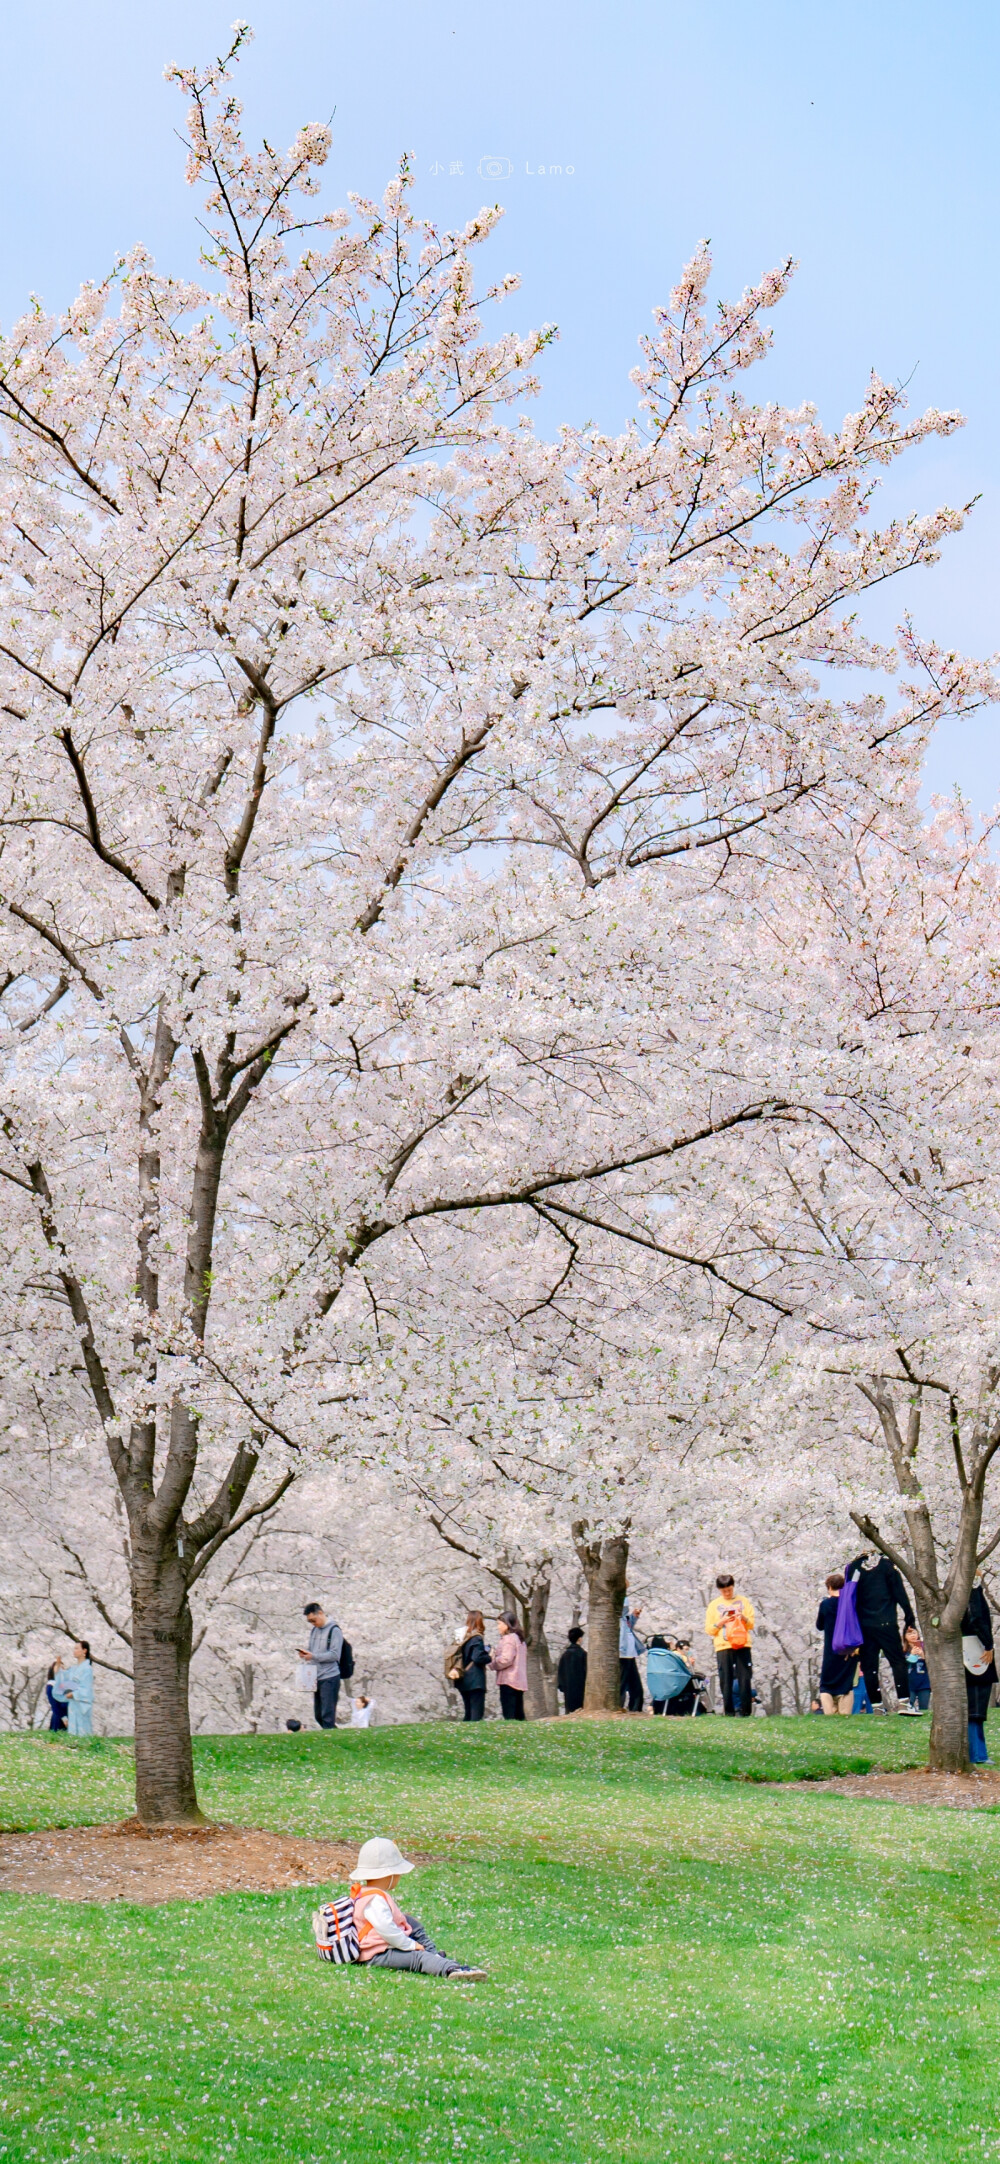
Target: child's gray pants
425,1960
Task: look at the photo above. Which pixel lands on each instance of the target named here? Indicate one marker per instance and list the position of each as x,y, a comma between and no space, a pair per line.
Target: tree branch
225,1502
33,426
107,856
99,1386
988,1550
92,1594
257,1510
956,1443
53,939
868,1527
460,759
52,1001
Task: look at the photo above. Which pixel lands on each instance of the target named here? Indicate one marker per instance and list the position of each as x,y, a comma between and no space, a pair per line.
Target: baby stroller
699,1683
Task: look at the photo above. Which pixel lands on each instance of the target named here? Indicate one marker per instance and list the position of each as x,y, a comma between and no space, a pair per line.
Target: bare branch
257,1510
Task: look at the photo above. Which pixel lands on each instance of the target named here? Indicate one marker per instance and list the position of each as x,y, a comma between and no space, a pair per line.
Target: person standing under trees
839,1670
325,1643
510,1665
75,1686
571,1674
980,1670
471,1662
917,1669
880,1592
729,1621
630,1645
57,1706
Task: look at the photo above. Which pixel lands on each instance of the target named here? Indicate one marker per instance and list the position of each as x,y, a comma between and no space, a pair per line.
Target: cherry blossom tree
192,484
385,794
854,1246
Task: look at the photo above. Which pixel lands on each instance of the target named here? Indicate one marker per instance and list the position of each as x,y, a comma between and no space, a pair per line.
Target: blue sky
860,138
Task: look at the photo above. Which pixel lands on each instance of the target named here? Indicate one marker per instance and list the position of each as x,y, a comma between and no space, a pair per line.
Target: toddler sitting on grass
388,1939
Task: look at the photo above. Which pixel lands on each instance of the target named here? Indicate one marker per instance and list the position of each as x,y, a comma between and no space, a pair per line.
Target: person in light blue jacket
668,1678
75,1685
630,1645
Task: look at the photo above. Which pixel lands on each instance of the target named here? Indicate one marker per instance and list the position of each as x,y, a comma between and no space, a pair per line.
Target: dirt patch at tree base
957,1791
179,1863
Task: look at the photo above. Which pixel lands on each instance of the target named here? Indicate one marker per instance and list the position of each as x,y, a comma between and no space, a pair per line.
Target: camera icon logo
494,168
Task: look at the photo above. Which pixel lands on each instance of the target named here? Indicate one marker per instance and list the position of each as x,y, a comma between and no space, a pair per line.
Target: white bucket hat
380,1859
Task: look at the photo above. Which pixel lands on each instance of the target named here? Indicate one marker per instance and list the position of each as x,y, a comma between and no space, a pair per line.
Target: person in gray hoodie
325,1644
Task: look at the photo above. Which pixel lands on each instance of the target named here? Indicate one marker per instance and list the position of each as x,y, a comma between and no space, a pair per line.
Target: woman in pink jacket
509,1662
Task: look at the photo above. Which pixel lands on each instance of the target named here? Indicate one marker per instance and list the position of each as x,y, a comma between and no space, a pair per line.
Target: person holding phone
326,1641
729,1621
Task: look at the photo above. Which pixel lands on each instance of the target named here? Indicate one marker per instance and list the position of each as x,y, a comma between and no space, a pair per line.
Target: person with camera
729,1621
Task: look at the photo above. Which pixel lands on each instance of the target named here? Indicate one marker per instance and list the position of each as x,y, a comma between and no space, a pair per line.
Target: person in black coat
475,1660
836,1676
977,1622
571,1674
880,1592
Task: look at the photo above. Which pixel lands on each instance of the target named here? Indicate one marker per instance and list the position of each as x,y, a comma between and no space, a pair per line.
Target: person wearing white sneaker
389,1939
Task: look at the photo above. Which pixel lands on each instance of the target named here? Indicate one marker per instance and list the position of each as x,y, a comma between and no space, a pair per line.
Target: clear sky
859,137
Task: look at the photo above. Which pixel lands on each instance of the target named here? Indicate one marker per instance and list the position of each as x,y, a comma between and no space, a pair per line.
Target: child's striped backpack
335,1931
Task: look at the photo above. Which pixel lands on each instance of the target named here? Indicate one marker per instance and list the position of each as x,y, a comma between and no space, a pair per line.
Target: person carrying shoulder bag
466,1665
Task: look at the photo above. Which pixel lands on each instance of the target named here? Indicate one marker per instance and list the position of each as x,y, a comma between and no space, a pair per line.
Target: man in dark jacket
880,1593
571,1674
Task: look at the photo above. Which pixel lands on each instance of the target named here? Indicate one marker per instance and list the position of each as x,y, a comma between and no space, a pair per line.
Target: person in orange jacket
729,1621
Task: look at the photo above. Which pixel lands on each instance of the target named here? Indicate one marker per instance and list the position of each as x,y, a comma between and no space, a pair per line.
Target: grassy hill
685,1964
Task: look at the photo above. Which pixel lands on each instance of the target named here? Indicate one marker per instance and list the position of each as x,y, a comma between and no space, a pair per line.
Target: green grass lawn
685,1964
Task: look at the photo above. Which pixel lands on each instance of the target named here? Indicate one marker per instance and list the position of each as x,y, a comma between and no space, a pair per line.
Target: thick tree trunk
605,1564
949,1743
161,1654
541,1699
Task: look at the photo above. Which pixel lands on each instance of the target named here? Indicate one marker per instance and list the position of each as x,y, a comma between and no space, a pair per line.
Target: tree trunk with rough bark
541,1699
604,1564
949,1740
161,1650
